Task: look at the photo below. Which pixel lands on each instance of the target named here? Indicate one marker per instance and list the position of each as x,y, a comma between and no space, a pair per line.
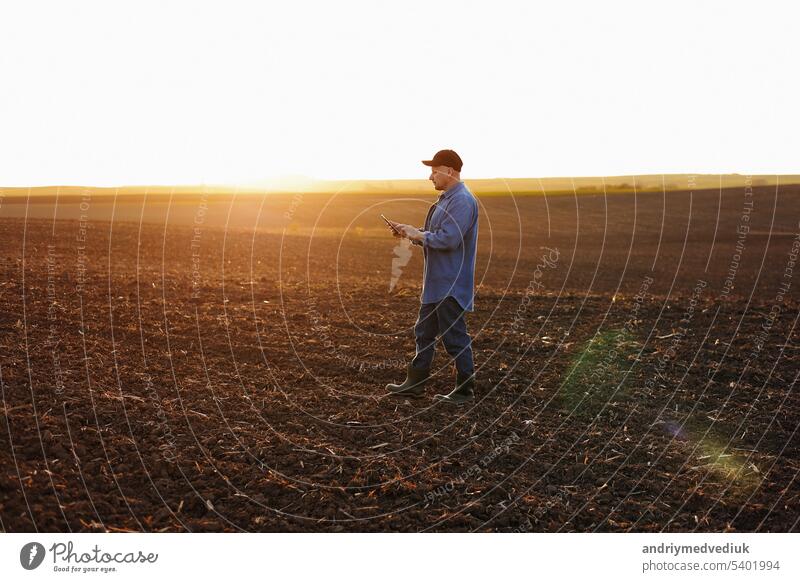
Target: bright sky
101,93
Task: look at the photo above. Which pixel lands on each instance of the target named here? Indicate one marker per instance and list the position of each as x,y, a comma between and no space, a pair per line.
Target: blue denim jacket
449,246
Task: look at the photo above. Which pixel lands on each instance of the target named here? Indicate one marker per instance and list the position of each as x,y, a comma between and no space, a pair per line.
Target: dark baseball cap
447,158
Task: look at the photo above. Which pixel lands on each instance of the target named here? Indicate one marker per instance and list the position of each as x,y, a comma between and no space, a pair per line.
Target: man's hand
408,231
394,227
405,231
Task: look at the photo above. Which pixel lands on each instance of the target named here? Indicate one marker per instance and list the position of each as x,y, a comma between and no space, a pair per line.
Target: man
448,240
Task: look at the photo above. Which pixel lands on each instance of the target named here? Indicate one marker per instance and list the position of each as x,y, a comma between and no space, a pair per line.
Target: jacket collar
451,190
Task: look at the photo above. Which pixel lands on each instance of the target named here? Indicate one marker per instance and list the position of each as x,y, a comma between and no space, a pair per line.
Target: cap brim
428,162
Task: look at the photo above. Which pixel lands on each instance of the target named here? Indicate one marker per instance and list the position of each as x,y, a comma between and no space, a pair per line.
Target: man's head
445,169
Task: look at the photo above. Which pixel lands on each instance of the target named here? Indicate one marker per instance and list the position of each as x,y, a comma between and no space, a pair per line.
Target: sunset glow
184,92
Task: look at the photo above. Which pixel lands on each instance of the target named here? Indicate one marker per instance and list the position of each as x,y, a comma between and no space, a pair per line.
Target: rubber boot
464,391
414,385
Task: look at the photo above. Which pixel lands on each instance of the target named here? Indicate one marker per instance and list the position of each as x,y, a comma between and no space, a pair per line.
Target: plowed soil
189,364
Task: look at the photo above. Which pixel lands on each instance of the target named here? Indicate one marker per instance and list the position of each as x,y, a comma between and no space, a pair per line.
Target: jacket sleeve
459,218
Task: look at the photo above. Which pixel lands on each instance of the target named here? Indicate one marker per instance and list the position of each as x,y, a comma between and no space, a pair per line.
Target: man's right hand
396,228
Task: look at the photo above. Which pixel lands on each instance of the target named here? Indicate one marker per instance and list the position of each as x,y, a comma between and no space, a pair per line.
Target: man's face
440,175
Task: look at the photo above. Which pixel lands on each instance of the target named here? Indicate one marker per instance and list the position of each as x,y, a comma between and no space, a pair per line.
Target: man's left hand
411,233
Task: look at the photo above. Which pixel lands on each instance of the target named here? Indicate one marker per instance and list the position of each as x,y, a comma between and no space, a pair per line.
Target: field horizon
479,186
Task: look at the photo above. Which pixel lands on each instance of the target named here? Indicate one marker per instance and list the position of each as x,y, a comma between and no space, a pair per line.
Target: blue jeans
445,318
